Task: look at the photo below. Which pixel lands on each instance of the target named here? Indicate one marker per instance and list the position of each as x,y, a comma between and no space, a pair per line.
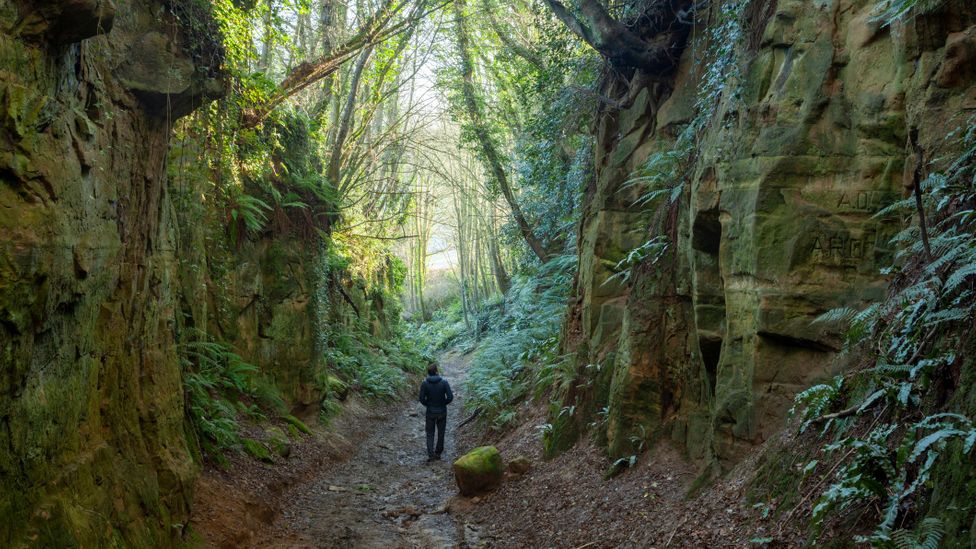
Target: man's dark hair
432,369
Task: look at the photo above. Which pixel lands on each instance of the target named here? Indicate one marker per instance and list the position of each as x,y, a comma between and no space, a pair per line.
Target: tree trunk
624,47
494,251
345,121
476,117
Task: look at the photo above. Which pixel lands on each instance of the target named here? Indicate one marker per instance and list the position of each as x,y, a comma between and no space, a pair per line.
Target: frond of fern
911,338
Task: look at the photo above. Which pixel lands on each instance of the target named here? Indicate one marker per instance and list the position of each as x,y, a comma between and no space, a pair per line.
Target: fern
215,379
651,251
816,401
889,11
840,314
911,336
519,352
927,535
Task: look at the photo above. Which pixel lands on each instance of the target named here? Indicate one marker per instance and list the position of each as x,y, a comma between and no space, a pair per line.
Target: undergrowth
373,366
515,341
519,354
220,387
914,343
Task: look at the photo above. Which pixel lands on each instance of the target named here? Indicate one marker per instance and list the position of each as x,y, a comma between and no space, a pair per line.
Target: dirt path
387,495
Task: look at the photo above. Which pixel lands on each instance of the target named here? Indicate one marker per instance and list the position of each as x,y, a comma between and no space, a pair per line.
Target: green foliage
536,115
520,348
650,251
214,378
249,211
874,471
619,465
867,471
446,328
350,355
202,25
926,535
257,450
371,365
913,338
297,424
330,409
889,11
816,401
721,76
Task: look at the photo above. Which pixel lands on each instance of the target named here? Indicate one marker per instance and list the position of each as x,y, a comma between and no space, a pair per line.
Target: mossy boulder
480,470
278,440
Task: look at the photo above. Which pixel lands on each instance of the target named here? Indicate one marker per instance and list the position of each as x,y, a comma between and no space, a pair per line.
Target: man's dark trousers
438,421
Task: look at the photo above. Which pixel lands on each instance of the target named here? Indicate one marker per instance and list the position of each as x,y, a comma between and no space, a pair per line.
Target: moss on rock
479,470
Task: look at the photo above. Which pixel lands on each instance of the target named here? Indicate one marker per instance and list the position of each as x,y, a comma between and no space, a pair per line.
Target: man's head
432,369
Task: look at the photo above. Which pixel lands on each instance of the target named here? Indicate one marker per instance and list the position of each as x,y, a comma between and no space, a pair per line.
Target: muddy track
387,495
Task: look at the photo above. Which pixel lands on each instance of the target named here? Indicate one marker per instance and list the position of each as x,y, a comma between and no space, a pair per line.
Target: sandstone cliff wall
108,257
92,441
274,300
774,224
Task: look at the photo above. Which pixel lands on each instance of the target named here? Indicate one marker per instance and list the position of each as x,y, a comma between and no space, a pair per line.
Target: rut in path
387,495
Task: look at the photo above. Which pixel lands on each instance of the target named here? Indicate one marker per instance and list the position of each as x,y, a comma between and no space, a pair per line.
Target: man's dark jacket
435,394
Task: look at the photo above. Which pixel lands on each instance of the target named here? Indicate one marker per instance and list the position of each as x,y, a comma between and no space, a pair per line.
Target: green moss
484,460
776,479
297,424
330,409
279,442
256,450
479,470
953,497
561,436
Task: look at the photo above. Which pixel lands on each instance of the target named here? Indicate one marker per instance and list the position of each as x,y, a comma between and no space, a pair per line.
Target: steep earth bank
567,502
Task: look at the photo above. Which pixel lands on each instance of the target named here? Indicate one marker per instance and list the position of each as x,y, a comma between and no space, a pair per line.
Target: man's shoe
437,457
431,458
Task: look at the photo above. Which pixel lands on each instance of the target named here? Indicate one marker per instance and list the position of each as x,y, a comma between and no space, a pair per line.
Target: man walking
435,394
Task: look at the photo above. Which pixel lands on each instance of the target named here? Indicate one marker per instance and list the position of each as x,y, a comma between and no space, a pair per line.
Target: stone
479,470
67,21
102,275
163,77
777,225
519,465
279,442
957,68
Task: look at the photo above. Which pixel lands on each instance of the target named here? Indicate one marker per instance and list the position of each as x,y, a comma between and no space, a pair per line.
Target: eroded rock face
64,21
158,71
272,300
777,226
92,436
